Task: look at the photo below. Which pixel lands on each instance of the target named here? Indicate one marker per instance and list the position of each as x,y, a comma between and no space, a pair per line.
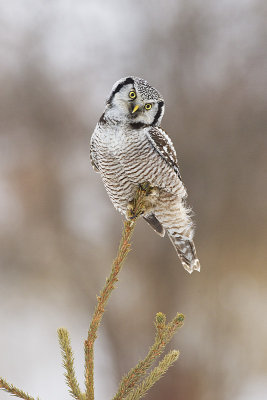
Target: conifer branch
154,376
68,364
164,333
13,390
130,387
137,208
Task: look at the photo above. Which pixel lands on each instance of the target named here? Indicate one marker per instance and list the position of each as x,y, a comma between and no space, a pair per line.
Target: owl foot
151,194
130,214
146,187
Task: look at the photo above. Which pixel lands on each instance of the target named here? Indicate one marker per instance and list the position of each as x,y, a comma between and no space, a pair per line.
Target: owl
128,147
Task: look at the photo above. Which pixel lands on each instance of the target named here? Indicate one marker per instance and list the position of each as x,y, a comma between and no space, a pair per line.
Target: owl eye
148,106
132,94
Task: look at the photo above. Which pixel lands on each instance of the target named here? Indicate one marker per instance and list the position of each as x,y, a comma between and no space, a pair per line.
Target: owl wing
164,146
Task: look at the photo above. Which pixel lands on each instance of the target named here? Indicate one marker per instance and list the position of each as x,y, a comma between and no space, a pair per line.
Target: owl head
133,101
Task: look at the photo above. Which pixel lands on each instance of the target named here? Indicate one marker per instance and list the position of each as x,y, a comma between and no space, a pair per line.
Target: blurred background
58,230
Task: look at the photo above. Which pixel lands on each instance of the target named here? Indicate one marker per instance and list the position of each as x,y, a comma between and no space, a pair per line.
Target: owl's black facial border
159,112
127,81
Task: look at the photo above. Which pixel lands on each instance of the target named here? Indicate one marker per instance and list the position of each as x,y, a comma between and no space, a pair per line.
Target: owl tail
186,252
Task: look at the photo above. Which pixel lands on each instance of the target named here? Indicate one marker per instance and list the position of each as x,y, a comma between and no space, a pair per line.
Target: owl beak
135,109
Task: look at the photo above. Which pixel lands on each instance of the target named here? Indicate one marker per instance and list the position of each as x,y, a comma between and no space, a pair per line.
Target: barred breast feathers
144,155
156,161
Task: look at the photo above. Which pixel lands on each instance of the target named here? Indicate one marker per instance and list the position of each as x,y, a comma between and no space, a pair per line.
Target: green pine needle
14,391
68,364
154,376
163,335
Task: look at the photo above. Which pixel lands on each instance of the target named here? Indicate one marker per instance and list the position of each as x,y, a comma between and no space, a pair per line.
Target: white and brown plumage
128,148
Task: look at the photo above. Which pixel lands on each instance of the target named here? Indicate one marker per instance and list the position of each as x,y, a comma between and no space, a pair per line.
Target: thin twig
13,390
68,363
102,299
154,376
163,336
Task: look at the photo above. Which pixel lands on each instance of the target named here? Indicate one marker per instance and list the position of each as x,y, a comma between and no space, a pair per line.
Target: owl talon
151,194
129,210
147,188
130,215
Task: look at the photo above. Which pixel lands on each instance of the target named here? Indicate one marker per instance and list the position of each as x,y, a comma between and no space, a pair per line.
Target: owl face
134,101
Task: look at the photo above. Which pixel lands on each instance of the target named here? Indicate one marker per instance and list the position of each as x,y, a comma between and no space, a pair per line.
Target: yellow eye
148,106
132,94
